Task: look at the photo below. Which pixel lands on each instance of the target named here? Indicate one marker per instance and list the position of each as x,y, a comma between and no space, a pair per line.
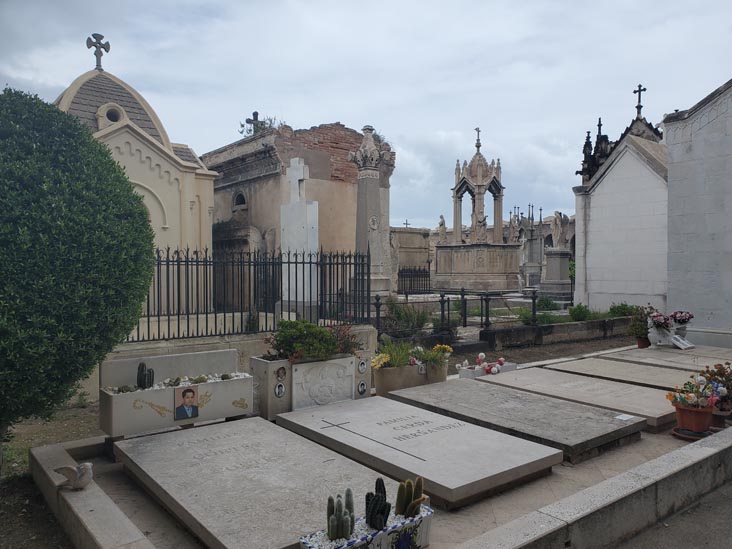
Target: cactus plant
145,376
340,518
377,508
410,497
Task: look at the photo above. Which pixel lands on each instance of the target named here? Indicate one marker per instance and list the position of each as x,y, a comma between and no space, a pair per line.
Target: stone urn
437,374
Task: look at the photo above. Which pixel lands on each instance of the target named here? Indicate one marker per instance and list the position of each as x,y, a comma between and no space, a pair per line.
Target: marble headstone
459,462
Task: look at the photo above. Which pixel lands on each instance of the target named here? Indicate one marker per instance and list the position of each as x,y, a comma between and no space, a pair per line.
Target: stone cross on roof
638,107
297,173
477,141
406,223
98,47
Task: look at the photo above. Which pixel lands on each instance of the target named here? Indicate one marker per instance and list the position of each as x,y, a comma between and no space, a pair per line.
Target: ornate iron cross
98,47
638,107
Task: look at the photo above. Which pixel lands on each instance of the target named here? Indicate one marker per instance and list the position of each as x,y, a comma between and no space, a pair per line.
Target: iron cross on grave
297,173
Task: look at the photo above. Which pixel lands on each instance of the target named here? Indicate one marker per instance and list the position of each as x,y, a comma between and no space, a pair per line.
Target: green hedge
76,255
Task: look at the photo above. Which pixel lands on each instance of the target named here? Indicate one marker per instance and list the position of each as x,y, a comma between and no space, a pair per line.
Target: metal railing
195,294
413,280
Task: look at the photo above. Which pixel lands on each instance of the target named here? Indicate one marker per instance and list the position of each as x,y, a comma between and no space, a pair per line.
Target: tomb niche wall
621,231
699,223
413,246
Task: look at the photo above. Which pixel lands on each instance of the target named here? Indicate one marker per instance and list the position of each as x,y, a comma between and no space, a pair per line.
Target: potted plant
638,327
659,328
435,359
406,524
719,377
694,403
322,358
393,369
680,319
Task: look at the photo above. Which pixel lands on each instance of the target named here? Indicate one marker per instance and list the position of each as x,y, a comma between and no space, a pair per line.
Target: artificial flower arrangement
659,320
394,354
681,317
482,365
719,377
696,393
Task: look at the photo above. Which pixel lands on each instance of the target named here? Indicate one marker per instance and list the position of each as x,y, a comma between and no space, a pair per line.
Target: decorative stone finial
638,107
477,141
98,47
599,127
368,155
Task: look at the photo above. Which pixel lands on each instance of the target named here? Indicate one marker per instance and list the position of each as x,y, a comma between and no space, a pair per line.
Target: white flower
481,356
703,402
722,391
691,397
702,381
495,370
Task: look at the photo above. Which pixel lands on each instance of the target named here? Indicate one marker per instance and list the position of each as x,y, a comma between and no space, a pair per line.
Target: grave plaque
246,483
579,431
610,395
460,462
625,372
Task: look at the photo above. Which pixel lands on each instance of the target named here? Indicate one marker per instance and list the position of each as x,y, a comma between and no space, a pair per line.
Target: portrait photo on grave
186,403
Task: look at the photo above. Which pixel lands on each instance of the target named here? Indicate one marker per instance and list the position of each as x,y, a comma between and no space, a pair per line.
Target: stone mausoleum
176,187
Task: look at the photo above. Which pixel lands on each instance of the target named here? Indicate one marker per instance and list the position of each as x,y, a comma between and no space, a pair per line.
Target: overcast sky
534,76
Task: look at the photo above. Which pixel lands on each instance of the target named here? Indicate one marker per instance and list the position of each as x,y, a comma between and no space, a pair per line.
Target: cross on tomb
477,141
255,122
297,173
599,127
406,223
98,47
638,107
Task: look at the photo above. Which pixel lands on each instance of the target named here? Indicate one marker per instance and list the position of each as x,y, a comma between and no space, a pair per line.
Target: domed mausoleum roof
100,99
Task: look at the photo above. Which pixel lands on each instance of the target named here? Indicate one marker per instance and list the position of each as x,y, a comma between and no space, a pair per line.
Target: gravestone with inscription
611,395
578,430
459,462
245,484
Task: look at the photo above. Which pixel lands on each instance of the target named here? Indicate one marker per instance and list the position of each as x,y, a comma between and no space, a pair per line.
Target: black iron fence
405,319
195,294
414,280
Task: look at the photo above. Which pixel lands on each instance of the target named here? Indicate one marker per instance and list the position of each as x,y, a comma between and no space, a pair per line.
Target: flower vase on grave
680,330
696,420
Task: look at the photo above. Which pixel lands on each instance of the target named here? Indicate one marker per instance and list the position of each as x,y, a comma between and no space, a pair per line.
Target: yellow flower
379,361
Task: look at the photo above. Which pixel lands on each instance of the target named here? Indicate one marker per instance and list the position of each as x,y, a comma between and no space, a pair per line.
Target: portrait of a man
187,401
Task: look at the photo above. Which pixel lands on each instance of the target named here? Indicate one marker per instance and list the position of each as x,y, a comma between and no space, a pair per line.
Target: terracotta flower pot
643,342
696,420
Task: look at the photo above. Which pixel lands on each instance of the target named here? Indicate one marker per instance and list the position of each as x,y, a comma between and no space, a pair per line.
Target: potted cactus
407,524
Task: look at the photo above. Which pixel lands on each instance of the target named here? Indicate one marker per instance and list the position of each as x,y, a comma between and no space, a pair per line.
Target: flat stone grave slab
610,395
666,357
459,462
578,430
246,483
625,372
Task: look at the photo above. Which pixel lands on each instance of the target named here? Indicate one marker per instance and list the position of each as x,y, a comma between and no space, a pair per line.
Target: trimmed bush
76,256
579,312
621,309
545,303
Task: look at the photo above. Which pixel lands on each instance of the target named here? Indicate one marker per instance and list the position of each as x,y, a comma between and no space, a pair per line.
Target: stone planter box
154,409
282,387
467,373
401,377
412,533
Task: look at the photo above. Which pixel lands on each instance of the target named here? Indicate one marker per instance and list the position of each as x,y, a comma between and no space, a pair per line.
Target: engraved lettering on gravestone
362,388
279,390
340,426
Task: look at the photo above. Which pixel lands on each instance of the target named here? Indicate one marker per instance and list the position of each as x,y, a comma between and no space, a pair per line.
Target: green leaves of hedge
76,255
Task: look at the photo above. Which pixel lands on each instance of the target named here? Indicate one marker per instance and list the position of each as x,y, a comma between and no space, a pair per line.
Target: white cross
297,173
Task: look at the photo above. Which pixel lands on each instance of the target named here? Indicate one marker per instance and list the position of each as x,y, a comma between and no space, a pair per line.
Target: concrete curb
618,508
89,517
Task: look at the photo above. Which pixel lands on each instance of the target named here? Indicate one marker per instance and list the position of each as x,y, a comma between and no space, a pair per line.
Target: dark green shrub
402,320
579,312
639,321
76,255
298,340
541,318
545,303
621,309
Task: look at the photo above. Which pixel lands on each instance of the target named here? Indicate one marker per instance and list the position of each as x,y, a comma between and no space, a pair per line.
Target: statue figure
442,230
560,224
481,230
513,228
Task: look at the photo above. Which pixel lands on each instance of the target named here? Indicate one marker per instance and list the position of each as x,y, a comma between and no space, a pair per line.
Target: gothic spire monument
478,259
